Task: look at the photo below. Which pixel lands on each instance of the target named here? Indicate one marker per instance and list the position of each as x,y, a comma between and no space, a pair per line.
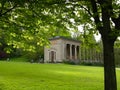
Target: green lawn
27,76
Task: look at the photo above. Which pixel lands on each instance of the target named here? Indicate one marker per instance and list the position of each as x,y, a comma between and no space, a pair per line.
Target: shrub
71,62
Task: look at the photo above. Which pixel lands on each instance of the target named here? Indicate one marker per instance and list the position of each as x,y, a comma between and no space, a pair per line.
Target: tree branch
86,10
96,15
8,10
2,3
115,20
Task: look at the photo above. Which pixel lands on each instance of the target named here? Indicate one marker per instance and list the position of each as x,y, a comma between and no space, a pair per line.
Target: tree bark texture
108,39
108,47
109,66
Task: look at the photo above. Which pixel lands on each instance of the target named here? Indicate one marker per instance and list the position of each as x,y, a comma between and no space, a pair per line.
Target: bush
71,62
92,63
3,55
34,56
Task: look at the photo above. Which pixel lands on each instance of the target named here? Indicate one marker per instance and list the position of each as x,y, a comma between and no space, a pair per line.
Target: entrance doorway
52,56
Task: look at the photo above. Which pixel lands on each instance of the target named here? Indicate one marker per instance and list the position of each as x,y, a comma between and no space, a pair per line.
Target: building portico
61,49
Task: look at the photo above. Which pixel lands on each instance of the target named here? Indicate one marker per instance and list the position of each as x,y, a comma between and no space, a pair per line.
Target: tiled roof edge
65,38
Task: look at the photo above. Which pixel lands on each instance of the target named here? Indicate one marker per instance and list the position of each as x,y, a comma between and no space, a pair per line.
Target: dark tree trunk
109,36
109,65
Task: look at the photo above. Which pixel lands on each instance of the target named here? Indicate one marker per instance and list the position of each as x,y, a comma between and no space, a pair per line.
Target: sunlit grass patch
32,76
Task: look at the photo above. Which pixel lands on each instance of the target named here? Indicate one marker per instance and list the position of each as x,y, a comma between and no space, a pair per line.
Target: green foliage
91,64
117,56
27,24
70,62
117,52
16,59
30,24
36,56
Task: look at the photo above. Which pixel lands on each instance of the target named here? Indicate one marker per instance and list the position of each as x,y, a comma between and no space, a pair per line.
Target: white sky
97,36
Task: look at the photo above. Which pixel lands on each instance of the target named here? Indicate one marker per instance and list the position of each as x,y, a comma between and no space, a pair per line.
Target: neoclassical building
62,48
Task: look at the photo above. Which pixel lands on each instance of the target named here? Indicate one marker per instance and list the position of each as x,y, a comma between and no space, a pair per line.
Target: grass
27,76
16,59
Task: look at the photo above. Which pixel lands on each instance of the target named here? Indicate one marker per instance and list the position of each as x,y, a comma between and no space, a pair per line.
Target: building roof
64,38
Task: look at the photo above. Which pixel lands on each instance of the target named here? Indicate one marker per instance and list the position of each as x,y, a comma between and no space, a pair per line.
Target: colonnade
72,52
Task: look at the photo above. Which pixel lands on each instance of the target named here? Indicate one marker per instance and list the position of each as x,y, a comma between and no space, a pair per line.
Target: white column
64,51
70,51
75,52
78,52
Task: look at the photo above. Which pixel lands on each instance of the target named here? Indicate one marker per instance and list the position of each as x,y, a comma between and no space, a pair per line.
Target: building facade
62,49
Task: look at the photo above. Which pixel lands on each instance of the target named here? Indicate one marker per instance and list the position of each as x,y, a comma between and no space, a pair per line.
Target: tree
25,22
104,13
29,24
106,16
109,35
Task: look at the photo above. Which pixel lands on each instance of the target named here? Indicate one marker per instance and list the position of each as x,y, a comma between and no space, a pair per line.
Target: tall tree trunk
109,65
